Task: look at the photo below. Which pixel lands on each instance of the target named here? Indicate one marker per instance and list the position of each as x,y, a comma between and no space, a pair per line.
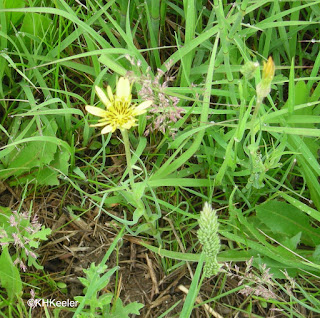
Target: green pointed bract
208,237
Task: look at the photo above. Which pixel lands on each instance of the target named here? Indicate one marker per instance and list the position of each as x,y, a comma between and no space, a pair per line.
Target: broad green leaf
4,215
36,24
276,268
49,174
43,159
9,275
287,259
301,206
125,311
293,242
13,18
286,219
42,234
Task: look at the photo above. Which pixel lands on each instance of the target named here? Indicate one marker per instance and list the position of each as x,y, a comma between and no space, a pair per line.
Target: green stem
139,203
254,117
126,142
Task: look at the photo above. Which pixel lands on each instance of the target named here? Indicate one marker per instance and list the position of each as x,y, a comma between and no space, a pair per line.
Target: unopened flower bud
264,87
268,70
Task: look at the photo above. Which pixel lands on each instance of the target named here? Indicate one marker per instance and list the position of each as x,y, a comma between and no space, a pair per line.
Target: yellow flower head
264,87
268,70
119,112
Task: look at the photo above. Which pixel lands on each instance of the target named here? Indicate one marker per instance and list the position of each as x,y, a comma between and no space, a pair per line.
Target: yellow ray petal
110,94
98,124
141,109
103,97
107,129
123,88
96,111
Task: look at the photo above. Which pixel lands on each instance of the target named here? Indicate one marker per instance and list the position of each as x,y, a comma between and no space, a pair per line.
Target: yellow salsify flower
120,113
268,70
264,87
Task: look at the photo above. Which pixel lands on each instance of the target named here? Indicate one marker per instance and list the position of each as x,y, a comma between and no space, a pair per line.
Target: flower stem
126,142
253,119
138,202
